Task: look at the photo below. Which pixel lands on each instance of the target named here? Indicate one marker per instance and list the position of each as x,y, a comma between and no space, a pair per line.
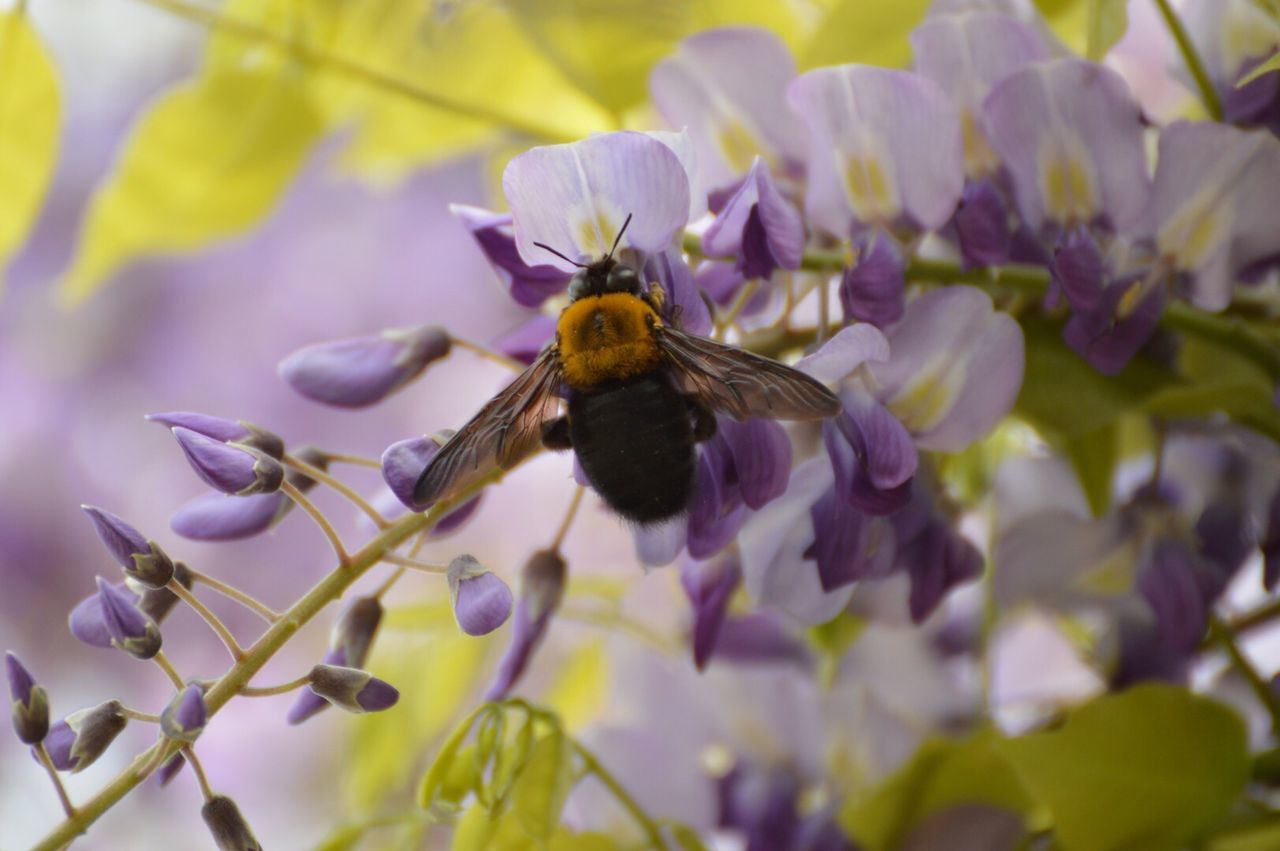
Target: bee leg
704,422
555,435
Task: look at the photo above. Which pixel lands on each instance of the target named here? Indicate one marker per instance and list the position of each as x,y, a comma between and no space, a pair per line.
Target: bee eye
622,279
578,285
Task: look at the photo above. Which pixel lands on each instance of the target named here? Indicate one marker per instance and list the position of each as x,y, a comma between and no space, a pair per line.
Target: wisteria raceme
1024,541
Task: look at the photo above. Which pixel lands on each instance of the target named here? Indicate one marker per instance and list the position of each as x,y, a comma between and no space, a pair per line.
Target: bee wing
505,430
736,382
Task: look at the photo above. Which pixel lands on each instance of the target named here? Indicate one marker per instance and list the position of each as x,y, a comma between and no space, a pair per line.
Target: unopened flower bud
362,371
238,432
236,470
308,702
402,464
710,586
185,716
481,600
30,709
230,831
75,742
541,588
352,689
141,559
170,769
354,631
130,630
156,603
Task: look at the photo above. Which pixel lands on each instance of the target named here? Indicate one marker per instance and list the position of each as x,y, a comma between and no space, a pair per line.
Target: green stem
1264,614
623,797
1208,94
328,589
1261,688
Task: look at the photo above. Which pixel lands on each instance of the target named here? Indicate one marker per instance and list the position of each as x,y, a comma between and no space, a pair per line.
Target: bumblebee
640,394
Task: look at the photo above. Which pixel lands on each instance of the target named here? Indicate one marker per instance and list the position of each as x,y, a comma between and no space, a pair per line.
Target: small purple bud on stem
404,461
481,600
75,742
230,831
352,689
30,709
185,716
362,371
238,432
130,630
170,769
541,589
141,559
354,631
309,703
236,470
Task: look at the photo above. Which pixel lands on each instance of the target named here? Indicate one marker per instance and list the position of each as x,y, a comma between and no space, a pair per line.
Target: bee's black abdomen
635,443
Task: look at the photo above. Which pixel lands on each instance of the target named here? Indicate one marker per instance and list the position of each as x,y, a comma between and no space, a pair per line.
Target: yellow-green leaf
1069,20
1093,456
872,33
29,110
540,790
206,162
1108,19
1150,768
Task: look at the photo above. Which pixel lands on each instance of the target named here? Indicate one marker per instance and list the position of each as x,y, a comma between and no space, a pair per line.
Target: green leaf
1108,20
1148,768
942,774
872,33
1064,397
1264,836
541,789
1069,20
29,118
1093,456
1270,66
206,162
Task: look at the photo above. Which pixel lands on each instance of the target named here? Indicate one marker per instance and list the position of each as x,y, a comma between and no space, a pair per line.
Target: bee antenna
618,238
546,247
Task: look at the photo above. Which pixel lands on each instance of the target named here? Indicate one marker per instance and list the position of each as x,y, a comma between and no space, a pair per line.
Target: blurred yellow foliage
29,117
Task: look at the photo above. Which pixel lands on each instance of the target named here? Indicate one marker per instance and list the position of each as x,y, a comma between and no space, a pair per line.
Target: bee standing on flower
641,394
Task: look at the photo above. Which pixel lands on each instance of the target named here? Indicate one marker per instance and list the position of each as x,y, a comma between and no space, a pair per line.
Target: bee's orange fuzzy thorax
607,338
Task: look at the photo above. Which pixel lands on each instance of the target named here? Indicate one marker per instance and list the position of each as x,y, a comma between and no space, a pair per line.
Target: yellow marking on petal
929,397
594,229
870,186
1068,183
1114,574
738,145
1192,237
979,158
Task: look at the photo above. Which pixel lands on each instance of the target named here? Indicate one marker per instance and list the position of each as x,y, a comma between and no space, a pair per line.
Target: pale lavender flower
481,600
727,86
362,371
29,705
758,226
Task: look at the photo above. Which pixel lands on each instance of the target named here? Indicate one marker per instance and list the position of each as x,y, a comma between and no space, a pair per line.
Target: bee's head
604,276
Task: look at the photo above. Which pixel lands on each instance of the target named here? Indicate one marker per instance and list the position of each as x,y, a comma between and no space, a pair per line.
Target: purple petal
871,290
88,620
230,469
851,347
709,586
982,225
955,368
218,517
759,638
403,463
120,613
1109,343
966,55
880,446
20,680
481,600
527,342
575,197
1168,583
541,589
362,371
847,544
728,87
217,428
884,146
1142,653
456,519
185,716
758,226
1070,134
716,510
1213,203
1078,269
681,144
761,453
121,540
720,281
658,544
683,306
937,560
529,285
170,769
58,743
377,695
